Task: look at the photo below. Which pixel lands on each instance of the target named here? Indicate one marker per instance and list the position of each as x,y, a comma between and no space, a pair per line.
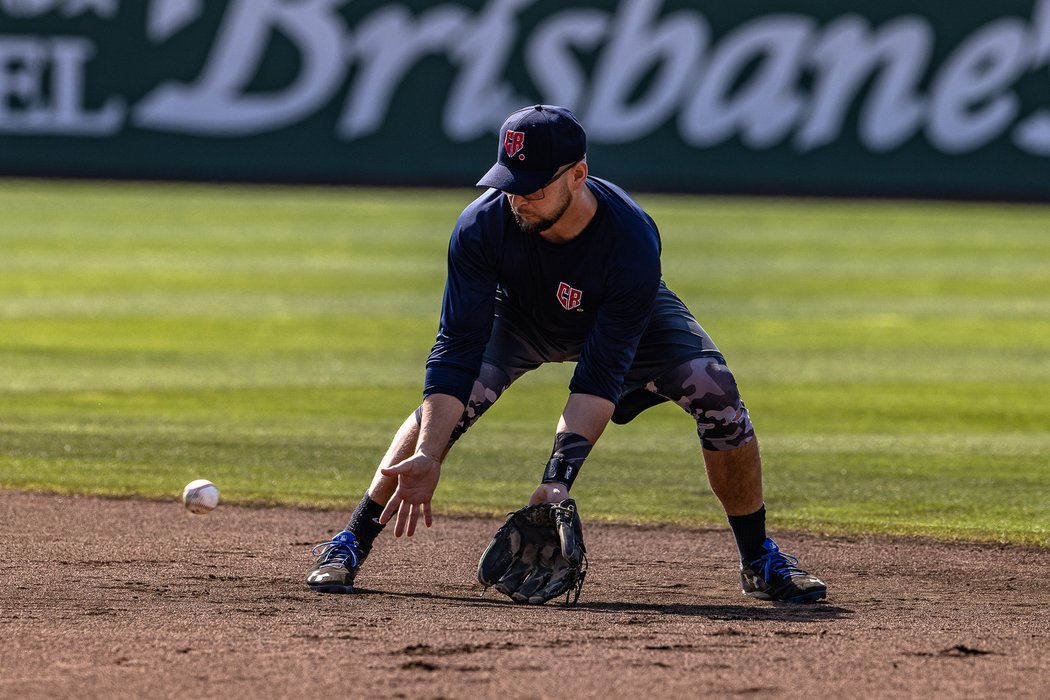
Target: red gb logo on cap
513,142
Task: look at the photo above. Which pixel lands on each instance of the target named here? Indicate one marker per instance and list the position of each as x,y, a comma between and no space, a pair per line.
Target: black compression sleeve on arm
570,451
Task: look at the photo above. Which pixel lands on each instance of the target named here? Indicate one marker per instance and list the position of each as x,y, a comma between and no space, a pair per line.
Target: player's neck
575,219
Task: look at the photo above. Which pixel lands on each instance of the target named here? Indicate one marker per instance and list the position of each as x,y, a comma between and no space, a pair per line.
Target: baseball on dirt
200,496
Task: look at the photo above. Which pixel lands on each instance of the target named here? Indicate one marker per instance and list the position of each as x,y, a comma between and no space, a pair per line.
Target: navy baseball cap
534,143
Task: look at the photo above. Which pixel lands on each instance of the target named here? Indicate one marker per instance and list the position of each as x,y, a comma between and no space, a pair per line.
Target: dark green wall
920,98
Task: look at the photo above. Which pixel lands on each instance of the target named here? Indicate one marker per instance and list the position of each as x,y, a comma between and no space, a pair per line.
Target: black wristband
570,451
560,470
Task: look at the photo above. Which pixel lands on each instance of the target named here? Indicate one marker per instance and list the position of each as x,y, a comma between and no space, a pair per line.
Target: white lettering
22,65
480,95
894,112
1041,33
773,79
671,49
218,103
550,59
42,89
387,45
844,58
766,106
27,8
166,17
1033,134
102,8
967,107
67,94
68,8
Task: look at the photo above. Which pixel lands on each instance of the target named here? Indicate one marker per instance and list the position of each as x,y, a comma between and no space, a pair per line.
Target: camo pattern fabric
704,387
707,390
488,387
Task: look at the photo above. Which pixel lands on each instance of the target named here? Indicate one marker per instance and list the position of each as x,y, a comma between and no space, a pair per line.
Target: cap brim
519,182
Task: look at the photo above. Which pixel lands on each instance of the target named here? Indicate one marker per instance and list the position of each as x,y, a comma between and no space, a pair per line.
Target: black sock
364,523
750,533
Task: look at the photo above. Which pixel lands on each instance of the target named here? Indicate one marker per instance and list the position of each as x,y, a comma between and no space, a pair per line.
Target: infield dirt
132,599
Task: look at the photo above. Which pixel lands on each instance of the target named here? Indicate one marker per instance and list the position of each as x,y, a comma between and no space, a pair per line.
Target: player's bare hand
549,493
417,478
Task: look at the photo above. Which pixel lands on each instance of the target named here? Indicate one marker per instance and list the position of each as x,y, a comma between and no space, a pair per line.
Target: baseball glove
536,555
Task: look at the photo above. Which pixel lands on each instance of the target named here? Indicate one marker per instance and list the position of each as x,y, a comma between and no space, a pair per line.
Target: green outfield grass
895,356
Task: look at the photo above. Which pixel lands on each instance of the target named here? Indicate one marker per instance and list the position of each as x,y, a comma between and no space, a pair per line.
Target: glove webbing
573,592
579,584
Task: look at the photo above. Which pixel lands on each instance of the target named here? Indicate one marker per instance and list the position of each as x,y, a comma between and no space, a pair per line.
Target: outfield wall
878,97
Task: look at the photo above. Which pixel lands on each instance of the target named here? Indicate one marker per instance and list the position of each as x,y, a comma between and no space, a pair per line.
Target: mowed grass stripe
895,356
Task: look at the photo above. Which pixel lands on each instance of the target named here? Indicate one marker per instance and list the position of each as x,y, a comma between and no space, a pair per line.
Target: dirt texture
130,599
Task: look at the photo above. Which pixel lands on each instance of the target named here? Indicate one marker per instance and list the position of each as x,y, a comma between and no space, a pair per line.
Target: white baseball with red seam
200,496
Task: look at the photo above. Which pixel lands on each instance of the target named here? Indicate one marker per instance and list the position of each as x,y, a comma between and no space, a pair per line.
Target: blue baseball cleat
337,563
776,576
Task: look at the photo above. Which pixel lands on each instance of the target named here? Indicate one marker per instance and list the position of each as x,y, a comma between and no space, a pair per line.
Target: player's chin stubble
543,223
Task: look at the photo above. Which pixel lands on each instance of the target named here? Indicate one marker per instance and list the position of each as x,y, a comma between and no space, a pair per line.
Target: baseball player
551,264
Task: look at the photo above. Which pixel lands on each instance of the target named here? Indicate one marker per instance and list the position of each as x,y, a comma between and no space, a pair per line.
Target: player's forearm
586,415
440,414
582,422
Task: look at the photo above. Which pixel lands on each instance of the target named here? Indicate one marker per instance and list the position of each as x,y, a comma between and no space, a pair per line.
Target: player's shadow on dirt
774,612
781,612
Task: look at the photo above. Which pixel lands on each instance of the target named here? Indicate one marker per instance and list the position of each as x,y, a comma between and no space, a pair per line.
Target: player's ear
578,173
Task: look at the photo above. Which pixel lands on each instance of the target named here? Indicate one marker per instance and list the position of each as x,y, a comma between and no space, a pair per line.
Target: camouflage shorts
707,390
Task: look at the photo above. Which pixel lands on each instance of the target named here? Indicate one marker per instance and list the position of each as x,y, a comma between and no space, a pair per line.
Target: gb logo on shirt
569,297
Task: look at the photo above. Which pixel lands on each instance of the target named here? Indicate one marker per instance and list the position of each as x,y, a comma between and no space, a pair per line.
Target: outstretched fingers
413,518
407,515
417,477
392,506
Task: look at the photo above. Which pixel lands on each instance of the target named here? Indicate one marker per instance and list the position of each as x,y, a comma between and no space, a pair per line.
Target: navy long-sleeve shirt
591,295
